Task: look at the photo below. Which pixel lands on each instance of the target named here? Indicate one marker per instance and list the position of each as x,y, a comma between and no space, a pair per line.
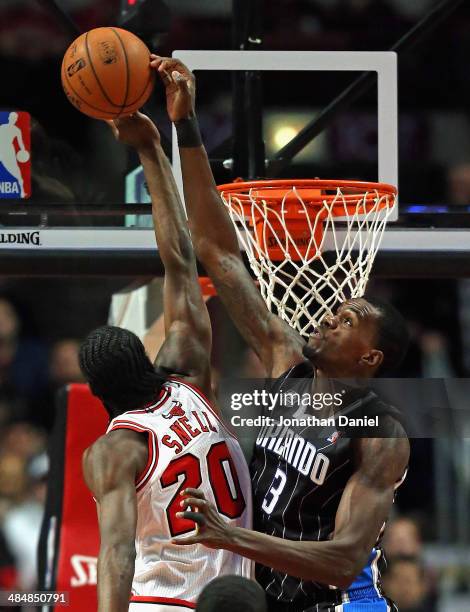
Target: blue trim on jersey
366,577
379,605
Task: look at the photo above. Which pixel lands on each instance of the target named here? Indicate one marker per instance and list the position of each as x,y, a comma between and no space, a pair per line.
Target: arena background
48,302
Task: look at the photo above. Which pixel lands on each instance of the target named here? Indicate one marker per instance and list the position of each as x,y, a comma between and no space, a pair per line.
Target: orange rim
314,192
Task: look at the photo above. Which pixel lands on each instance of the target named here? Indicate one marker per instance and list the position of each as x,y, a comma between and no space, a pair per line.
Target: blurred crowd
407,580
30,374
41,324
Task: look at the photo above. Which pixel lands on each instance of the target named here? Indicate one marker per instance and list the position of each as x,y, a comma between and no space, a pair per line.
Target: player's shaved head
393,337
365,337
115,364
232,594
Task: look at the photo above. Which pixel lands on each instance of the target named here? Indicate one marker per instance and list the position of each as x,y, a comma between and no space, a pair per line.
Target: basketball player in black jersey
317,529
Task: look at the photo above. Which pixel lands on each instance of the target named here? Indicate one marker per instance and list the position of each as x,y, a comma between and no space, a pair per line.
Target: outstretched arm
155,335
110,468
365,504
187,346
215,240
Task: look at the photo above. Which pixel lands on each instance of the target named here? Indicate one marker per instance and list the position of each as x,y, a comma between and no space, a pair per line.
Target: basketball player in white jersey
164,435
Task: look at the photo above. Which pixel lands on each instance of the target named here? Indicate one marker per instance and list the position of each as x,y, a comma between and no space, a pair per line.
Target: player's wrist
234,539
188,132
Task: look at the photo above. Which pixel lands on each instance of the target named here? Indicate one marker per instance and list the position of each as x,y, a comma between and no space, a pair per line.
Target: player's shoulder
97,450
364,404
93,459
385,457
300,369
117,452
182,387
112,446
391,424
113,461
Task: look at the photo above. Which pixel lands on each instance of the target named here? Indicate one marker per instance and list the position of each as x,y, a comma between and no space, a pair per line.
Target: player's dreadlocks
115,364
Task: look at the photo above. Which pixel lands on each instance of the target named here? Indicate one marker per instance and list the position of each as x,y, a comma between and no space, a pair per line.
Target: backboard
127,240
383,63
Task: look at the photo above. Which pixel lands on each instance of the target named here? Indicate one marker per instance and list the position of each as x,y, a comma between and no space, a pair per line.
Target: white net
311,246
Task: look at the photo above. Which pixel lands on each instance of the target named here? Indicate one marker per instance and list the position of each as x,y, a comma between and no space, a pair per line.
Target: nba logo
15,155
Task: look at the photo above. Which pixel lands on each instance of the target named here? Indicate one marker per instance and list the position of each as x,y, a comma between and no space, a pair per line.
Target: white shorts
161,604
141,607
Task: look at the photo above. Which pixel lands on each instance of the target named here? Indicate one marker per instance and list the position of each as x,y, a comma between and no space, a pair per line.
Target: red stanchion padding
79,535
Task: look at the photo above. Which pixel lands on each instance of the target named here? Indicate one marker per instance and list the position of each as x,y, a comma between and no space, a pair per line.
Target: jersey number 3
223,479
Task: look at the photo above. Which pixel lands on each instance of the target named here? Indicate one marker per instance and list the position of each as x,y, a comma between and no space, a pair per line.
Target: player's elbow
346,565
180,256
346,573
122,554
124,549
210,249
185,249
221,263
204,248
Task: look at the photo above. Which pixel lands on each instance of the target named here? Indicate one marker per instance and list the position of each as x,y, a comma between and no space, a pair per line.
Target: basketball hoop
310,243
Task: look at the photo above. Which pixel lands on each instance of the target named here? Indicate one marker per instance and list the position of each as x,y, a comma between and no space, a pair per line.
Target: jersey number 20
223,479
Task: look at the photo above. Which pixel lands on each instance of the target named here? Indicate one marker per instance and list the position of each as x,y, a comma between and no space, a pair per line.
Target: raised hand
136,130
180,86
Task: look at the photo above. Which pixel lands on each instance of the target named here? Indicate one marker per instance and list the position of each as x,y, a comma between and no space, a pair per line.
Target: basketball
106,73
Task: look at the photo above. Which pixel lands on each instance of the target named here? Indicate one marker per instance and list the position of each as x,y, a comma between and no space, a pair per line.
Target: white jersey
189,446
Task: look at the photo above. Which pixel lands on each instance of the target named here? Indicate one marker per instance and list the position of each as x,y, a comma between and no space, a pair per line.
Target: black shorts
379,604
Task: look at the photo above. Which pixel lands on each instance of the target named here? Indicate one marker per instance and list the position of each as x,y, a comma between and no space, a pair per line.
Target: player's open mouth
316,333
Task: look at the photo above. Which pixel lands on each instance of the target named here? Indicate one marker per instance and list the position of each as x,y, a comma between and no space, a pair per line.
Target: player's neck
323,374
139,404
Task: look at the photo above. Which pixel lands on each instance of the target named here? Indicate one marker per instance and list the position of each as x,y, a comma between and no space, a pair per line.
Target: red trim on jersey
152,461
193,387
169,601
207,403
163,396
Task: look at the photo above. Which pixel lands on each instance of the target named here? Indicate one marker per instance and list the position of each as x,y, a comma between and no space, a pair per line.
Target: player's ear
372,358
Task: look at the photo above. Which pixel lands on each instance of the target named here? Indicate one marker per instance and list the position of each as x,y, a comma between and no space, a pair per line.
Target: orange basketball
106,73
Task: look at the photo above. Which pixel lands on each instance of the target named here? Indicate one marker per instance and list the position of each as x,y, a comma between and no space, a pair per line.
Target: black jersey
298,475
